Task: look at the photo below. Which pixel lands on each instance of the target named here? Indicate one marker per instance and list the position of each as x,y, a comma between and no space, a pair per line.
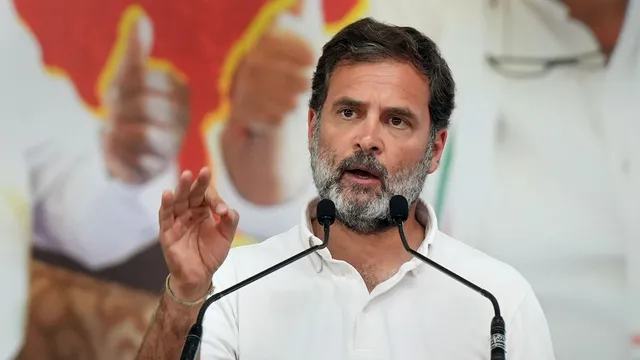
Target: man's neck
376,257
605,18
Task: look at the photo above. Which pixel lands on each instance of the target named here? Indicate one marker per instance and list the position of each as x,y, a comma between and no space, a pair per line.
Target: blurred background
102,103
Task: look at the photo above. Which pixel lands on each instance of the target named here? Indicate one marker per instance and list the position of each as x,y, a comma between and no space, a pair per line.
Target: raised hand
196,231
147,113
270,78
266,88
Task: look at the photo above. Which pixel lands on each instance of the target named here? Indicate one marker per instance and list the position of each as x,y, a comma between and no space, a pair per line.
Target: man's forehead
385,85
382,69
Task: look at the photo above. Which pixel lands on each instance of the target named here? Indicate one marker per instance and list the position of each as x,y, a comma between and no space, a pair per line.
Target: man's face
373,140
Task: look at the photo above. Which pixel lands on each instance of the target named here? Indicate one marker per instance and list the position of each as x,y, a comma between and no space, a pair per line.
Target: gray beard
363,209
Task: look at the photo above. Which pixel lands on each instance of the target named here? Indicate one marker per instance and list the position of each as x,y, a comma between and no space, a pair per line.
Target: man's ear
438,149
311,119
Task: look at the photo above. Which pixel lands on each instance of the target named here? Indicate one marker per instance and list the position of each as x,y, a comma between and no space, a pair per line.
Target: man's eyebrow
347,101
395,110
401,111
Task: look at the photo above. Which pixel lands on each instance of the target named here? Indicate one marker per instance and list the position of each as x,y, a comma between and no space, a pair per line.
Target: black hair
368,40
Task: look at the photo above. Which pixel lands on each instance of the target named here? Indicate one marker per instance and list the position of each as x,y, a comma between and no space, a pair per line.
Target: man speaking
381,101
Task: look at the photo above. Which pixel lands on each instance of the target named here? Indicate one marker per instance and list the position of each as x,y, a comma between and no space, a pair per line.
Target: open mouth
363,173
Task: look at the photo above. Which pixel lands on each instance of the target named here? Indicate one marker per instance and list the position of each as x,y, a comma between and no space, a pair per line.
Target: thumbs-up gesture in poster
265,92
147,113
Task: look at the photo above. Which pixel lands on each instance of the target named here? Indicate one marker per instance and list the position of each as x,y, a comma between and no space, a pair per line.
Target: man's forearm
251,157
166,335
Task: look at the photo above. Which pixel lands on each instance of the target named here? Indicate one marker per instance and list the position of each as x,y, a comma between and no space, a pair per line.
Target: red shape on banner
80,39
199,40
339,13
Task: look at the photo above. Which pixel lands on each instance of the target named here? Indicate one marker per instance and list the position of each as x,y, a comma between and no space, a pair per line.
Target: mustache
365,160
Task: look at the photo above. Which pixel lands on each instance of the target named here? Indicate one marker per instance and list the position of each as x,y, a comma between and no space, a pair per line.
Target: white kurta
320,308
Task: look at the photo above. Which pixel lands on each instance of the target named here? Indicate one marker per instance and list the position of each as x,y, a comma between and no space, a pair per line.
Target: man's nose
369,135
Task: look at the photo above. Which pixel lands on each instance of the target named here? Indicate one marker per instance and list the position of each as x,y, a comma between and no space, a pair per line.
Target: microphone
399,211
326,215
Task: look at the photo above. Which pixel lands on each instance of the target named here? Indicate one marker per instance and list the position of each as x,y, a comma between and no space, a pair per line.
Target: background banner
104,103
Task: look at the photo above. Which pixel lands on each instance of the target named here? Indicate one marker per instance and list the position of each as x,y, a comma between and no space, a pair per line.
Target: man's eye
397,122
347,113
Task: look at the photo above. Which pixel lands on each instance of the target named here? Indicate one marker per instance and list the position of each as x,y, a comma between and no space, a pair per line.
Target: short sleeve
528,336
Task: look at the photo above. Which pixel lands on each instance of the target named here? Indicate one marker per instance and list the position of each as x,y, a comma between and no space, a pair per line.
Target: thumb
138,46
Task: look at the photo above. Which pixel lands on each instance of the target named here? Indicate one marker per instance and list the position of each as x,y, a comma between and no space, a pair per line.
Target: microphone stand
192,342
498,333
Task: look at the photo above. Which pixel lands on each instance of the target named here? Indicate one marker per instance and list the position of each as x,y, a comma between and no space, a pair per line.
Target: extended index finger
181,196
199,187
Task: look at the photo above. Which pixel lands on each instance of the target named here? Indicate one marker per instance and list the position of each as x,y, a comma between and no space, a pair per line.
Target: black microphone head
399,208
326,212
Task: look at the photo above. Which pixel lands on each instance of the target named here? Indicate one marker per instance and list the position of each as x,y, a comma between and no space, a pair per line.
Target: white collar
425,214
